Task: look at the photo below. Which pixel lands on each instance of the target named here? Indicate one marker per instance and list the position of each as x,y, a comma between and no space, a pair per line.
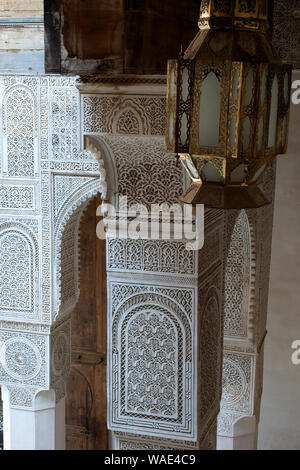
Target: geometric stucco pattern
124,115
237,279
154,337
123,441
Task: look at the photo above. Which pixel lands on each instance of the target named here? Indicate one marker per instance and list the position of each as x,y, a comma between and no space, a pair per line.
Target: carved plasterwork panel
237,280
40,123
19,271
65,131
131,115
19,126
67,277
226,421
23,366
151,351
125,441
64,187
150,256
236,390
238,393
17,197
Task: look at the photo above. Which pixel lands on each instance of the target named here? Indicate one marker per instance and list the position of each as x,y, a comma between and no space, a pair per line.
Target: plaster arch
68,209
108,169
66,253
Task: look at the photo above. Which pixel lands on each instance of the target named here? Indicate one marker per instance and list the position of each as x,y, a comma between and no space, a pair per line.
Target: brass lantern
228,101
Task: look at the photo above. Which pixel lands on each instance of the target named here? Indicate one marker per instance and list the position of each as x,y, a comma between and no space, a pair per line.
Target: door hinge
87,357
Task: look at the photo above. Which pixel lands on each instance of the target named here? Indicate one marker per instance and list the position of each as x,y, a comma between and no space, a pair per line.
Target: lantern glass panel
263,87
232,131
235,84
273,113
185,84
260,133
258,173
210,173
172,83
249,87
191,168
246,133
171,125
209,115
238,174
183,129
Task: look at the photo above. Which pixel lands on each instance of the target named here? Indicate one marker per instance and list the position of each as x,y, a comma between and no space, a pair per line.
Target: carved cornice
124,84
153,79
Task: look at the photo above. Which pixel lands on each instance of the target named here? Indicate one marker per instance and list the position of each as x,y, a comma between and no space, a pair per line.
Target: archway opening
86,427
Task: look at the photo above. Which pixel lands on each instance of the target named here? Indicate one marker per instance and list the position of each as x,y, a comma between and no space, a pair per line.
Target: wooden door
86,386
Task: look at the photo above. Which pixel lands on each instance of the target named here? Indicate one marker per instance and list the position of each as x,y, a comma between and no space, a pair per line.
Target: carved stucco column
45,182
164,314
249,239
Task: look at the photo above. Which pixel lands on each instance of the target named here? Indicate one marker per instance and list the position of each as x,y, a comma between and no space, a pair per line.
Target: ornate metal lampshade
228,99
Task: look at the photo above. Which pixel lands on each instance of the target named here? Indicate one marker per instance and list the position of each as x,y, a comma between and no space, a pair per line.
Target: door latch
87,357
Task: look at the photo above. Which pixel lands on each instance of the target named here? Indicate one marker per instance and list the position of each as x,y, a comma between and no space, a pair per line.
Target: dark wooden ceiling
116,36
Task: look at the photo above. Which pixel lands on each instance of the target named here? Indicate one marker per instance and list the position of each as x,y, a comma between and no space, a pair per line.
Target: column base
41,428
247,442
244,437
